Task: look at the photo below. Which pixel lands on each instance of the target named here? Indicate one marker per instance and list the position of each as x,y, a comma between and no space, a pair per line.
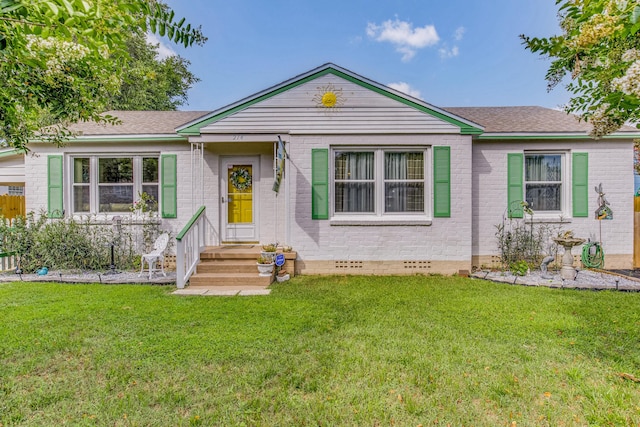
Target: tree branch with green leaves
61,61
599,51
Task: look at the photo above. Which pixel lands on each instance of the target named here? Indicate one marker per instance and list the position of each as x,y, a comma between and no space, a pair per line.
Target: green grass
355,351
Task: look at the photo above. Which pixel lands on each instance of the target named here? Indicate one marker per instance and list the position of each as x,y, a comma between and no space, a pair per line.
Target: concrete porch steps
230,267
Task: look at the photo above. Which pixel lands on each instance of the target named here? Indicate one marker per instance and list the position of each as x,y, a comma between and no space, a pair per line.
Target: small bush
519,268
69,244
518,241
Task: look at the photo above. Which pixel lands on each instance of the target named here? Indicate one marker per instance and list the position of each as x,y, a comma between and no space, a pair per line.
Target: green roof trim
194,129
12,152
123,138
493,137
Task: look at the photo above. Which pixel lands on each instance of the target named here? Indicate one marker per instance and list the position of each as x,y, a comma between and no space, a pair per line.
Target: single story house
370,180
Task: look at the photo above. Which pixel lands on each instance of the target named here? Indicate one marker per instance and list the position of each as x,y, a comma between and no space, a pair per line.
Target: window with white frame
381,181
543,179
103,184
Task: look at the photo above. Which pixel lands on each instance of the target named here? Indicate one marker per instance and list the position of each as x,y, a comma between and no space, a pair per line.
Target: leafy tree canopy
151,83
62,60
599,49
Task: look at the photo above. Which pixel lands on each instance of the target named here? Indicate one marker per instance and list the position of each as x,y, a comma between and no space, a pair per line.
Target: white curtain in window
404,182
543,167
354,182
543,176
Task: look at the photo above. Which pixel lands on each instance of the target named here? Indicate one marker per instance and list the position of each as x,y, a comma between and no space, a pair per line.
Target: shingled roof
500,120
529,120
139,123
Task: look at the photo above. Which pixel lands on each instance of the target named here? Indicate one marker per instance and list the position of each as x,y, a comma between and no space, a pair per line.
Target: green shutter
442,182
320,183
580,183
168,165
55,205
515,177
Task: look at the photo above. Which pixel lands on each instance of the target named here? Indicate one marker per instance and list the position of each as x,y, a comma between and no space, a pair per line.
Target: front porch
233,268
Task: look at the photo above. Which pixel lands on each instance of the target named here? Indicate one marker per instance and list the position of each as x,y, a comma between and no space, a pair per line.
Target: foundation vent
343,265
417,265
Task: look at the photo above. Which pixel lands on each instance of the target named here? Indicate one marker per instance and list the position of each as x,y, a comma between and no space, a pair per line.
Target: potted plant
265,266
269,251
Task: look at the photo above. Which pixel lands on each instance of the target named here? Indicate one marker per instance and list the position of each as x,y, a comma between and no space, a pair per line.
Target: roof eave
553,135
123,138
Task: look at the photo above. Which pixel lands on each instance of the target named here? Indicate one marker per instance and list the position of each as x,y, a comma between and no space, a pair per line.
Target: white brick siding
446,239
610,163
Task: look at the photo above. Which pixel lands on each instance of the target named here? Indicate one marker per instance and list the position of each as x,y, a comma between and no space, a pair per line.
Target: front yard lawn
355,351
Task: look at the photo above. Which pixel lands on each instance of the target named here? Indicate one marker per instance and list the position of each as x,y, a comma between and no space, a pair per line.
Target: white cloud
402,34
446,53
459,33
163,50
405,88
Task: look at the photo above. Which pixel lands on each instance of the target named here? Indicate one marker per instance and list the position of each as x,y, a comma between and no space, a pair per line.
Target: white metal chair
155,256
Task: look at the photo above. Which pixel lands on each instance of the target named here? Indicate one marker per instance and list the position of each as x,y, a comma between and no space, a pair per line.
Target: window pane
403,166
544,197
81,201
354,197
115,171
81,171
150,169
152,191
116,198
404,197
543,167
352,166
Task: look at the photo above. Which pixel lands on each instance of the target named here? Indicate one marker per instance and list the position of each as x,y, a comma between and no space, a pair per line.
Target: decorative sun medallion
329,98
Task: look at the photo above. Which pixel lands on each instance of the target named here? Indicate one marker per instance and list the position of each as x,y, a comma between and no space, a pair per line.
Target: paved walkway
223,291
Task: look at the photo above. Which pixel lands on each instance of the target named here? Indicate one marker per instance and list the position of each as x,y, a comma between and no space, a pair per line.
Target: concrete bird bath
567,271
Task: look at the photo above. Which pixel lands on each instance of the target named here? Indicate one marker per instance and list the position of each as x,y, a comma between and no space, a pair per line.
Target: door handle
222,199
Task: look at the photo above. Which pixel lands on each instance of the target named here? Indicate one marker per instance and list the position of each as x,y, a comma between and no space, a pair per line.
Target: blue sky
446,52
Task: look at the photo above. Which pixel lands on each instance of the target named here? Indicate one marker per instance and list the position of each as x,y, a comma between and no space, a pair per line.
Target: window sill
548,219
379,221
110,219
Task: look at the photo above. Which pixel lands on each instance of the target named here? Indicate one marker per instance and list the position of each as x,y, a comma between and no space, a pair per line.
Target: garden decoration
566,240
117,229
544,266
241,179
603,211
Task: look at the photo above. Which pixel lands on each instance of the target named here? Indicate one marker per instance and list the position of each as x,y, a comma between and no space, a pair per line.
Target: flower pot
268,255
265,269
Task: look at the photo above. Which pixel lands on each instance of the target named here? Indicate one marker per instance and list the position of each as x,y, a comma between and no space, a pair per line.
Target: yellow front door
240,194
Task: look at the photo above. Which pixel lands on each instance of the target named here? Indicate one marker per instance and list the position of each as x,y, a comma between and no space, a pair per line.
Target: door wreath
241,179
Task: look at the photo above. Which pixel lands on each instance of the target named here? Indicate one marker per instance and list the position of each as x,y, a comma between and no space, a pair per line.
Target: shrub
518,241
69,244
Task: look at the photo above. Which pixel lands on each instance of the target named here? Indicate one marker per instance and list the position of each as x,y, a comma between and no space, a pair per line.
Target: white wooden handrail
194,237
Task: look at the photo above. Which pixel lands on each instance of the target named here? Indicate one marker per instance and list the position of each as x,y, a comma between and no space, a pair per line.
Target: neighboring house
11,172
375,181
